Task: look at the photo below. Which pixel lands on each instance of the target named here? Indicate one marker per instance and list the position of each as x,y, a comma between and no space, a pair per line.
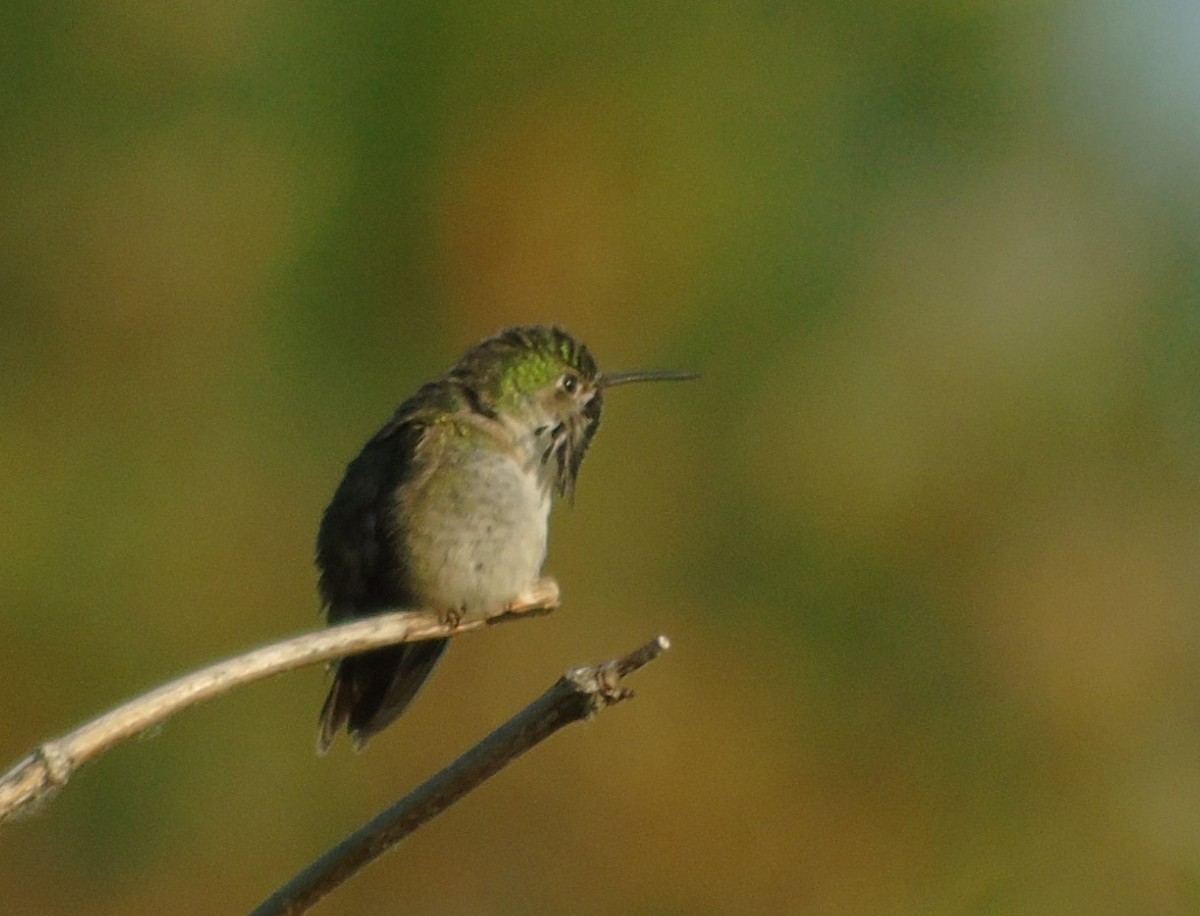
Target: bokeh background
925,537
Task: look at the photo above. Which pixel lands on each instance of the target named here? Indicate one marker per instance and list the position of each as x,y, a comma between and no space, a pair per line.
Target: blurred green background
925,537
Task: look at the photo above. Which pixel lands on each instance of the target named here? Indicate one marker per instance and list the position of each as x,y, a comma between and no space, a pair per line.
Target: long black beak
608,379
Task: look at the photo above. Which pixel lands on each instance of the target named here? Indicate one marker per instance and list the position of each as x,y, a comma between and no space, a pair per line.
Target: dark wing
362,574
356,544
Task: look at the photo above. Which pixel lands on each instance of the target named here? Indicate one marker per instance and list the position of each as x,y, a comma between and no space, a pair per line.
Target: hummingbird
447,506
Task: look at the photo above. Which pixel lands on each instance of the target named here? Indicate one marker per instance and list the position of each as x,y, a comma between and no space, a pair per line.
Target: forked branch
577,695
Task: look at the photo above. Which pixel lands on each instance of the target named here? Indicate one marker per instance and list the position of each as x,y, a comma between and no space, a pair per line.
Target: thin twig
577,695
52,764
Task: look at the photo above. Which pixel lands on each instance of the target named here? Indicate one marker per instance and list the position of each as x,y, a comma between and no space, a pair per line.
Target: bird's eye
569,383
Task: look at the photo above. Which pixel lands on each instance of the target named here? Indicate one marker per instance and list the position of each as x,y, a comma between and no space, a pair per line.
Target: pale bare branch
50,766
